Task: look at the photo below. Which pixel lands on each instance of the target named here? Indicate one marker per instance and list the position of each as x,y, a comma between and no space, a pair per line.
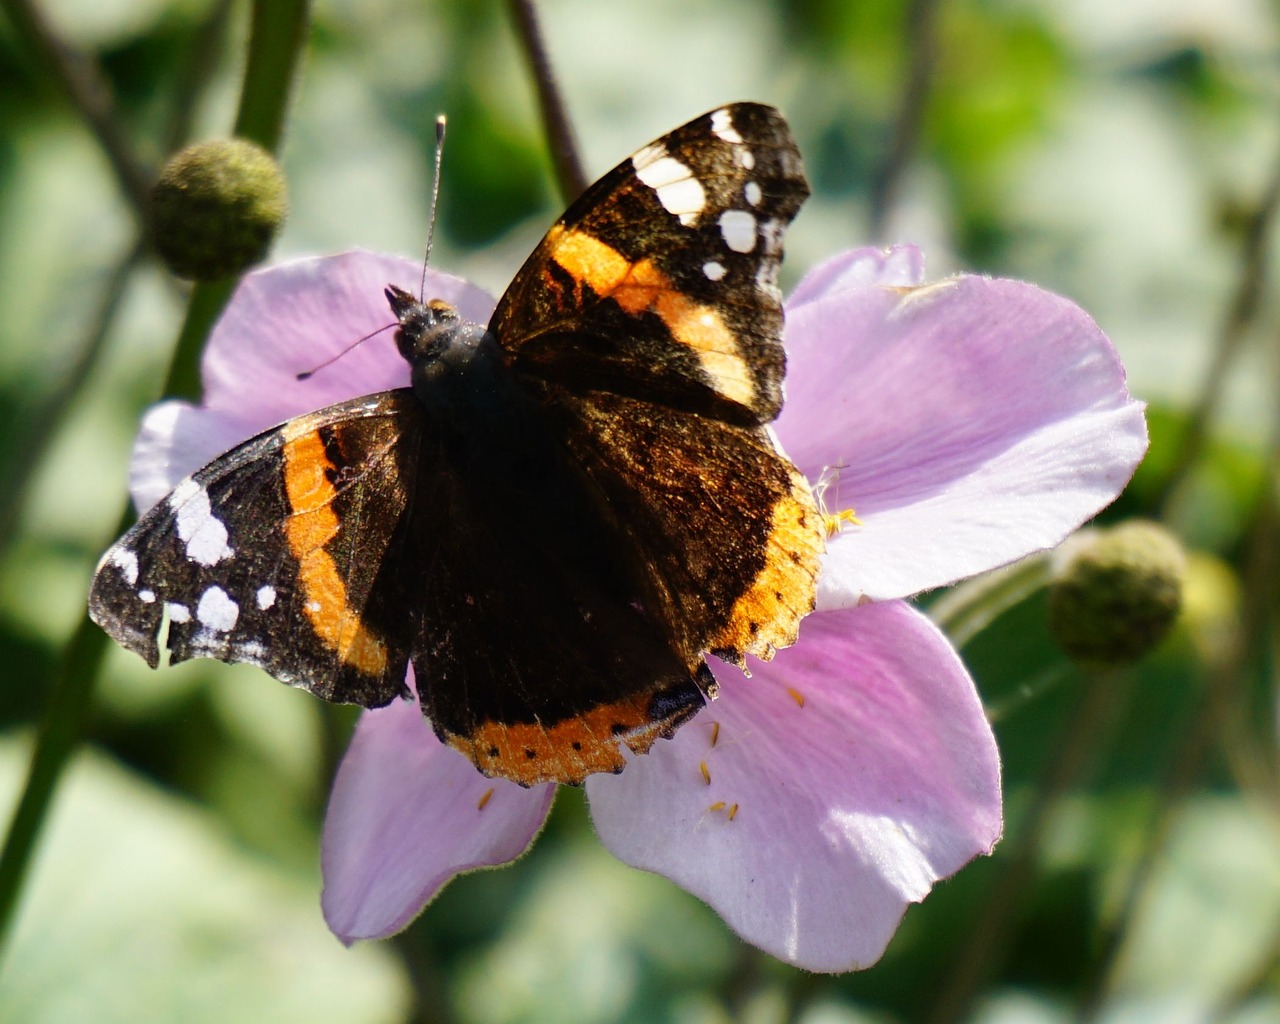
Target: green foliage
1112,155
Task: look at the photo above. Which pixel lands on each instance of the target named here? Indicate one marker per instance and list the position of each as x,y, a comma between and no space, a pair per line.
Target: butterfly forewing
272,555
660,282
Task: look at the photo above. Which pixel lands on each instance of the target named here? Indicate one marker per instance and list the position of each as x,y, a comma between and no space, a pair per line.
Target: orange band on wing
312,523
767,615
641,287
568,751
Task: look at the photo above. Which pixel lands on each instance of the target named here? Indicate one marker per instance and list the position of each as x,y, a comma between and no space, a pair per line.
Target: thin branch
86,88
921,37
555,116
1238,318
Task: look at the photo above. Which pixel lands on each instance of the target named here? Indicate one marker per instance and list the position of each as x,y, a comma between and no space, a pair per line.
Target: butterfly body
561,515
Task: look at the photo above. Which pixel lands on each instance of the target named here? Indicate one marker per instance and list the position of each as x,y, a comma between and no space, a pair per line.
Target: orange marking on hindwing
767,615
312,523
567,751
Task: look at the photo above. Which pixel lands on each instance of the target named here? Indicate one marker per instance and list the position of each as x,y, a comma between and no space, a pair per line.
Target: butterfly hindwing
660,282
729,530
279,554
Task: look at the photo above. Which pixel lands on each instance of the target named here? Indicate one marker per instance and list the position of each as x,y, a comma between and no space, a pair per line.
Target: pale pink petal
898,265
822,820
174,440
405,816
967,423
290,318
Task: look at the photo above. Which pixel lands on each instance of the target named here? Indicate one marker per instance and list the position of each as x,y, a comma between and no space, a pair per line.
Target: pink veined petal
405,816
896,266
845,778
290,318
968,423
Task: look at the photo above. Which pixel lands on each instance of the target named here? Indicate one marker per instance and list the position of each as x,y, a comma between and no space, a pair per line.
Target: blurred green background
1126,154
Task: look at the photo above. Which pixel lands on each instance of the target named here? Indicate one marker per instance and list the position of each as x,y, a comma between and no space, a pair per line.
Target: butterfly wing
649,320
660,282
278,554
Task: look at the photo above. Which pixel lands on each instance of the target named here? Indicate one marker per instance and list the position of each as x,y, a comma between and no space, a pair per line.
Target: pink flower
969,423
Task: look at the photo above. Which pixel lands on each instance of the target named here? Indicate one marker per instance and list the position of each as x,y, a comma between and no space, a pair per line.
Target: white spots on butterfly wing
266,597
747,159
147,596
714,270
752,191
198,528
216,611
651,154
767,280
678,189
722,127
771,232
126,561
738,229
177,612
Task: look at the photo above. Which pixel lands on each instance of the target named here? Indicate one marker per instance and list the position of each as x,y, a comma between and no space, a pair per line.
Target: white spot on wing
738,228
713,270
753,193
178,612
266,597
747,159
679,192
722,126
216,611
649,155
147,596
198,528
127,562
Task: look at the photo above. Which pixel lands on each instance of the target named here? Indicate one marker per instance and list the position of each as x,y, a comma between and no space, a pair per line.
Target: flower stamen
834,522
484,799
706,772
796,696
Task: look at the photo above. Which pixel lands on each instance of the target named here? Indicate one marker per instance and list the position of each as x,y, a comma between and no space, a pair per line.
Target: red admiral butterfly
558,518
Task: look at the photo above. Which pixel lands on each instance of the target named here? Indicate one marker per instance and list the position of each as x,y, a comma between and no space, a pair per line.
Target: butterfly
563,512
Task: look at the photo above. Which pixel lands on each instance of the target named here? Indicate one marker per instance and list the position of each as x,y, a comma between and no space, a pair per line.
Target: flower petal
292,317
970,422
840,783
898,265
406,815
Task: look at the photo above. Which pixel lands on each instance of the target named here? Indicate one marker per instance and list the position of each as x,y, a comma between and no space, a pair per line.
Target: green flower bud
216,208
1115,592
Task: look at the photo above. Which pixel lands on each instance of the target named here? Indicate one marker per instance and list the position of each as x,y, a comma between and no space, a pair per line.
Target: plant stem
555,116
268,77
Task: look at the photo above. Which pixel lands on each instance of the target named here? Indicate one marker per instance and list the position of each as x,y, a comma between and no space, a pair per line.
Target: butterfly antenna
306,374
431,214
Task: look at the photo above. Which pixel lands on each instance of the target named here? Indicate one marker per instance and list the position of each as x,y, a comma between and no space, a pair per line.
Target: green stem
968,608
264,102
555,115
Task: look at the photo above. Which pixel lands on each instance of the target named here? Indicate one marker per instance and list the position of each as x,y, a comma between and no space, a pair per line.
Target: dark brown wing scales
660,282
728,530
535,655
274,553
